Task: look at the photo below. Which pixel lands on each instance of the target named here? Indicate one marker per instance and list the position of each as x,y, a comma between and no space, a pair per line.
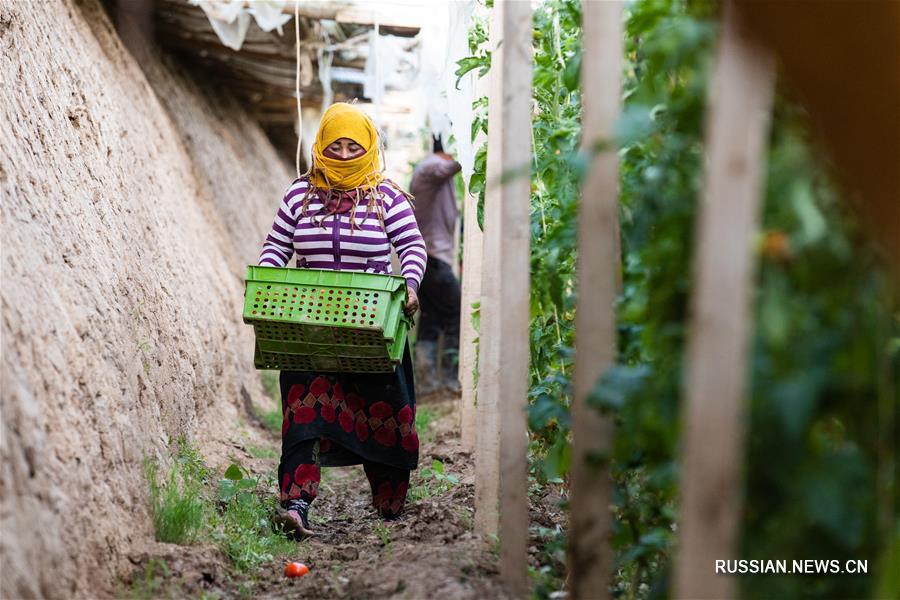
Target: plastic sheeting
426,69
448,107
230,19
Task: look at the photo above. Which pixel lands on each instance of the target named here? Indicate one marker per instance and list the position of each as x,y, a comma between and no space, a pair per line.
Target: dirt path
430,552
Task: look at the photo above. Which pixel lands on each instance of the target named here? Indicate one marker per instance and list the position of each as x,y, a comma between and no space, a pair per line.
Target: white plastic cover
231,18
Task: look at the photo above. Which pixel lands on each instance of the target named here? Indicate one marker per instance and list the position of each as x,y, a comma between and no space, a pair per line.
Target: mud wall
132,199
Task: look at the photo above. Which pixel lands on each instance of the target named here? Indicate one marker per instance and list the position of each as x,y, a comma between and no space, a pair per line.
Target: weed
262,452
243,533
184,510
180,512
271,384
549,576
425,417
434,482
145,349
151,583
271,418
247,590
494,541
384,534
317,519
465,517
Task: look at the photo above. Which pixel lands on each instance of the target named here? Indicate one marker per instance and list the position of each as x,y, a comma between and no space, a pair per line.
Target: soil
429,552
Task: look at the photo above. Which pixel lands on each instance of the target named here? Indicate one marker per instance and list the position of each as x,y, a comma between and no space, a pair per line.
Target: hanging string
297,87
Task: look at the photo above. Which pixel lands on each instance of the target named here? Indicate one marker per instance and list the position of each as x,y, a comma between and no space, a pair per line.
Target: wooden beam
399,23
591,555
500,458
713,446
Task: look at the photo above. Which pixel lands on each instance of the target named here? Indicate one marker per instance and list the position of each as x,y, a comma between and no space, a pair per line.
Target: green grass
180,511
185,509
384,535
425,417
245,535
271,418
263,452
243,530
270,384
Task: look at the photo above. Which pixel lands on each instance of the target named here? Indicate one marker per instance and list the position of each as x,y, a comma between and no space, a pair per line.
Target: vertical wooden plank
501,461
487,439
713,446
473,240
591,556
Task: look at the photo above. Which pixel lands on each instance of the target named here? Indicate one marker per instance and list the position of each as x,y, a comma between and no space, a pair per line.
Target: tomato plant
825,358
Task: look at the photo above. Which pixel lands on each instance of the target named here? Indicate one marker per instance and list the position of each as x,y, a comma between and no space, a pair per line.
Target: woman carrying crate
343,215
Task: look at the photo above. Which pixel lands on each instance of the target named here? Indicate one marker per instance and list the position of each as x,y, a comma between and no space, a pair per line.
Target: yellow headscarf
343,120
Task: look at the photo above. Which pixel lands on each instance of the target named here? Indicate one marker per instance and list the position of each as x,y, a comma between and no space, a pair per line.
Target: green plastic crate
331,362
312,319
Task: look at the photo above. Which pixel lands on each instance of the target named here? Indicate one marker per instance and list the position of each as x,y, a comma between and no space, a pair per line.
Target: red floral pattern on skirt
371,417
381,423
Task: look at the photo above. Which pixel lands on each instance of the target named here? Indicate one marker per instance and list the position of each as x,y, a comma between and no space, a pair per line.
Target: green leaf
558,459
617,385
233,472
572,74
809,215
226,490
247,483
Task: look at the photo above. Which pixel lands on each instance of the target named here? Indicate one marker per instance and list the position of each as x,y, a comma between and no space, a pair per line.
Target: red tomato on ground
295,569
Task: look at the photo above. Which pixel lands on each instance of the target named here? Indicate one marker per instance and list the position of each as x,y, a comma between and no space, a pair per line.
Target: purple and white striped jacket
336,246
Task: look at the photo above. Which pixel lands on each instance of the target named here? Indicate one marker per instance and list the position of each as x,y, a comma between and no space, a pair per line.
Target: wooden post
591,555
501,474
473,240
713,447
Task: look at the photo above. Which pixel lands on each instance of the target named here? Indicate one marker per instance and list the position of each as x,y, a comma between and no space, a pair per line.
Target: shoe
293,517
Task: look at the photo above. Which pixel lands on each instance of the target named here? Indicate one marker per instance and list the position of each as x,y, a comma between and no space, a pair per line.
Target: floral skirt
355,417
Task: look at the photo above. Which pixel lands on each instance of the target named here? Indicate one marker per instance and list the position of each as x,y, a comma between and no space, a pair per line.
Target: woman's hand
412,303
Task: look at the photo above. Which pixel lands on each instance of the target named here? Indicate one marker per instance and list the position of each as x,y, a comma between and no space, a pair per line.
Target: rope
297,86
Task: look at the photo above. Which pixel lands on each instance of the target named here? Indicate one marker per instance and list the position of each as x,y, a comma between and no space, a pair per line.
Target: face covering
343,120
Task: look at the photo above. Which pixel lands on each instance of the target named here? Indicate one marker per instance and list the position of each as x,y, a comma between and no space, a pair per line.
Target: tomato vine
825,359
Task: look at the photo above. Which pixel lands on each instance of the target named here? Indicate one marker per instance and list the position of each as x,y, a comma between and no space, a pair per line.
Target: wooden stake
591,556
473,240
500,459
713,447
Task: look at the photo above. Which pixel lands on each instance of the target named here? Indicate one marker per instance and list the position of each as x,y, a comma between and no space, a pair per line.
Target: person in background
439,295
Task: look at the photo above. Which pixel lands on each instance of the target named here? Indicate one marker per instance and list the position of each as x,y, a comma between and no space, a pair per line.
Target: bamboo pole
500,458
591,556
713,447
